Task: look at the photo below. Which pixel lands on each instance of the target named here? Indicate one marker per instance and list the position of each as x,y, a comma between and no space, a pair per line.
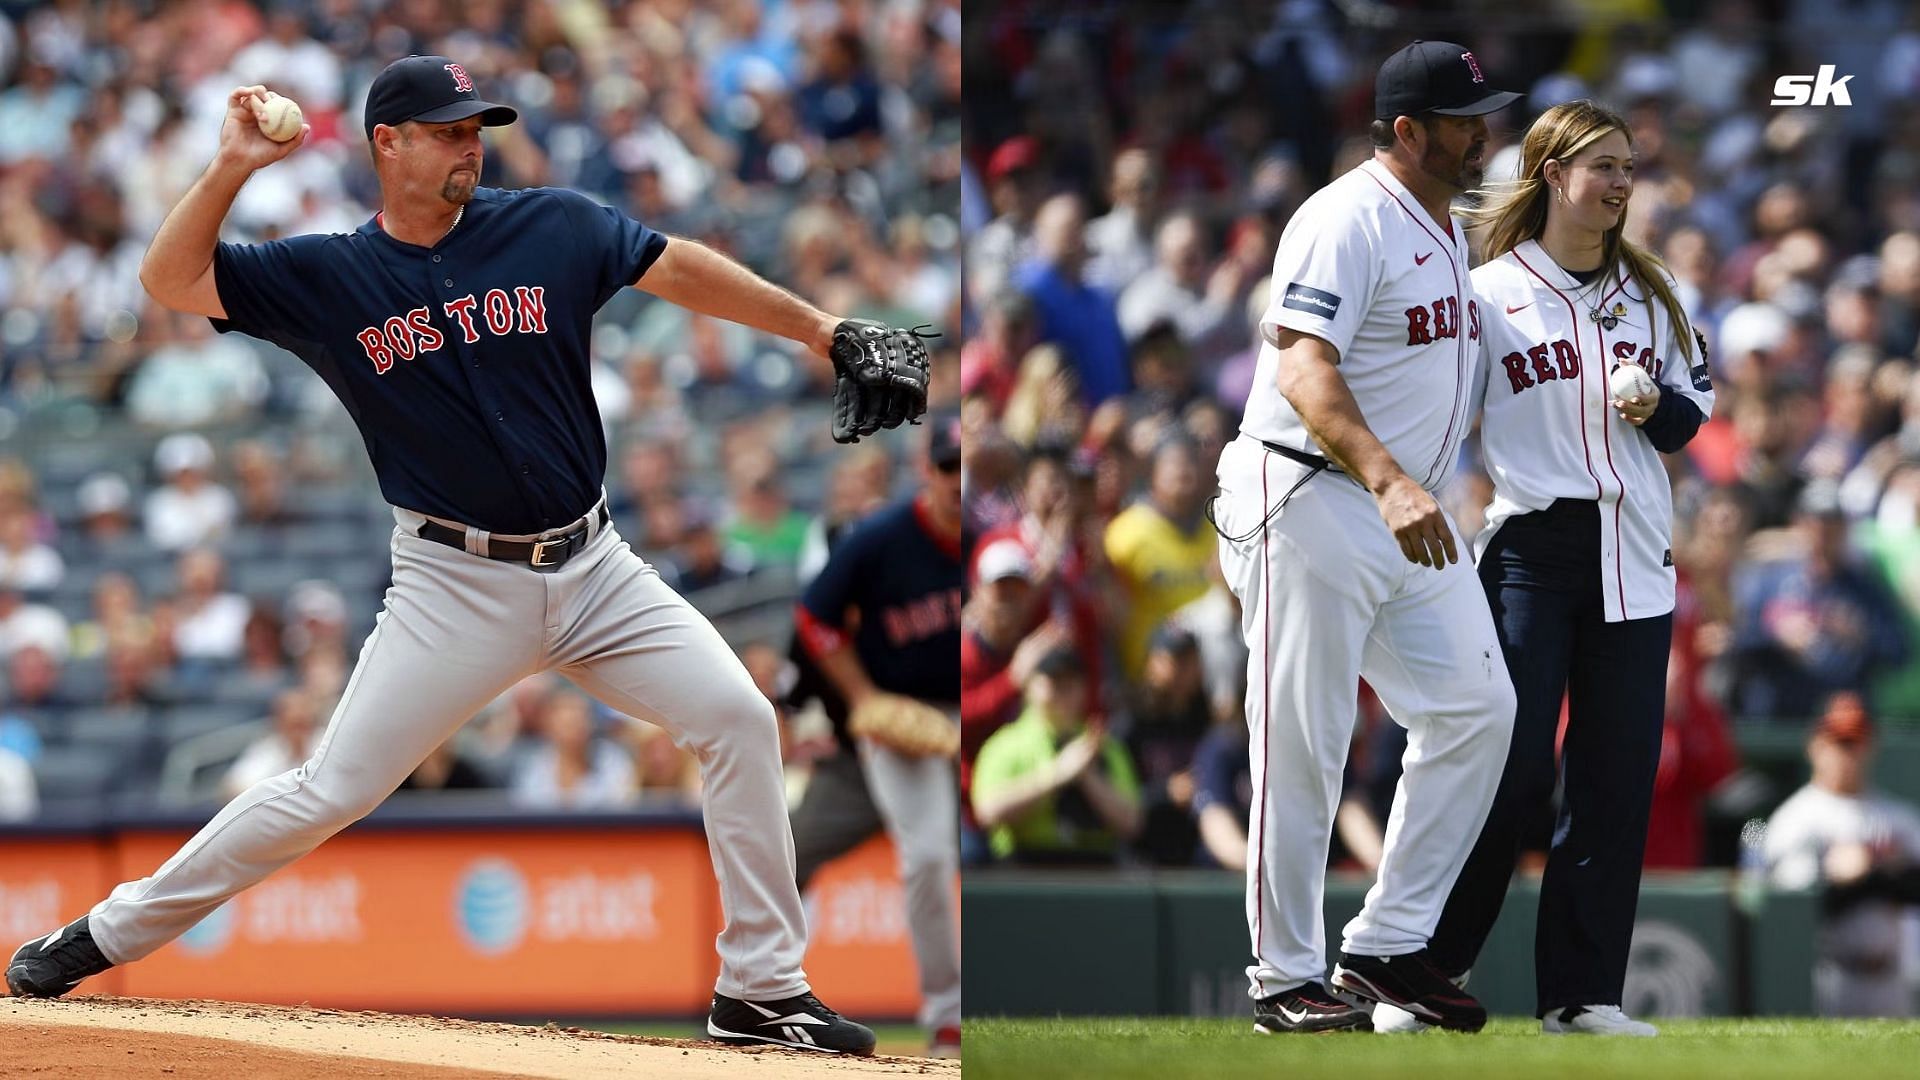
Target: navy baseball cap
431,89
943,437
1435,76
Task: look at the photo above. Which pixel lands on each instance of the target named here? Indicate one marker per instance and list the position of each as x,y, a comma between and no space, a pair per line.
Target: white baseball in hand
280,117
1629,381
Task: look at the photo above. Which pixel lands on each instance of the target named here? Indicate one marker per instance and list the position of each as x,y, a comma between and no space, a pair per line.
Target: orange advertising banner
542,920
554,921
46,882
859,955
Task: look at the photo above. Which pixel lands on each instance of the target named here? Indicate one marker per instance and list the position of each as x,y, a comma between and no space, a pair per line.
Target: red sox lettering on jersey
403,337
1559,359
1441,320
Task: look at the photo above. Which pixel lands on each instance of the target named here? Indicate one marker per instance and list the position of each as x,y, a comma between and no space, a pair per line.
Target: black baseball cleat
802,1023
1307,1008
47,967
1411,982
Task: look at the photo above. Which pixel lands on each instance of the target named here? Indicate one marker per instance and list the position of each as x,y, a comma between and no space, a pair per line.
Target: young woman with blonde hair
1575,556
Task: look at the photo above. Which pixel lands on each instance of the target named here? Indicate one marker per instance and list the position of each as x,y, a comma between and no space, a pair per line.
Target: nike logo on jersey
402,337
1421,260
1521,308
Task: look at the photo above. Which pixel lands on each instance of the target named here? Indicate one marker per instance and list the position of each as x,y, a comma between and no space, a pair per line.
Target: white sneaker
1593,1020
1394,1020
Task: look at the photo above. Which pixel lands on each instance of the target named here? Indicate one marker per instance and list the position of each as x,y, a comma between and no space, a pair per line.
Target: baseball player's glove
905,725
880,377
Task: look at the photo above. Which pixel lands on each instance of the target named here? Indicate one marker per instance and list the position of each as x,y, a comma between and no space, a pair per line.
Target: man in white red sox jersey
1345,565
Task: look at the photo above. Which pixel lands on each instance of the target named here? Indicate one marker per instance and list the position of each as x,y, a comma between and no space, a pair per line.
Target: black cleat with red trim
1413,983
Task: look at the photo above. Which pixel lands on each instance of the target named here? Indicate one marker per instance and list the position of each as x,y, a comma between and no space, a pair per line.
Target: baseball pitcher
454,328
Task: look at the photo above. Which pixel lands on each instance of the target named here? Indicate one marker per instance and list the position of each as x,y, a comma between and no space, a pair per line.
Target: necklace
1608,319
458,213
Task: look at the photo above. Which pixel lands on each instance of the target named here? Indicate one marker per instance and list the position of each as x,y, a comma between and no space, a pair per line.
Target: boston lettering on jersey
1441,320
1548,361
405,337
921,617
464,364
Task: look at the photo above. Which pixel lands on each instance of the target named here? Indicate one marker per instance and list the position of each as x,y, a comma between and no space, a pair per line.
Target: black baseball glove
880,377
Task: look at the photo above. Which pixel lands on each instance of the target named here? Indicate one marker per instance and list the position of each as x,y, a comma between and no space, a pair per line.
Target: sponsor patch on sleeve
1311,300
1702,381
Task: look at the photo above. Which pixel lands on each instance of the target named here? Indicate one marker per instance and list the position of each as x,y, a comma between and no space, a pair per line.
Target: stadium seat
181,722
119,725
83,680
250,543
191,771
68,773
324,540
240,688
344,504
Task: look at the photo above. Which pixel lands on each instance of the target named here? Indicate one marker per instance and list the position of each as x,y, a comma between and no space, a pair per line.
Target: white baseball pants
456,631
1327,598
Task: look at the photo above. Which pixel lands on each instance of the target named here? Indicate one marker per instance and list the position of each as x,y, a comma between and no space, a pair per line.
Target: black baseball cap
432,89
943,437
1435,76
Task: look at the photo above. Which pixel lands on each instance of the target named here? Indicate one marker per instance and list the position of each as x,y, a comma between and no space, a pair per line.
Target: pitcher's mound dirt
214,1040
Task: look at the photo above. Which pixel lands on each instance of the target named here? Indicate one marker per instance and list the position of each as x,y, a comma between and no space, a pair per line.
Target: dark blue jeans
1542,576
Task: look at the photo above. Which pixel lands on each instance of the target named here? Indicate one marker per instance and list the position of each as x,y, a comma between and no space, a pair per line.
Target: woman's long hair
1515,212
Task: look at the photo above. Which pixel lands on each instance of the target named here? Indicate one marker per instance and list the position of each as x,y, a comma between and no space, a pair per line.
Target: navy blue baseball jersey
464,364
906,581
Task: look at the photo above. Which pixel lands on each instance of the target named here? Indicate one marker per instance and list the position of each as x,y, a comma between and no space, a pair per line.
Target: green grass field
1112,1048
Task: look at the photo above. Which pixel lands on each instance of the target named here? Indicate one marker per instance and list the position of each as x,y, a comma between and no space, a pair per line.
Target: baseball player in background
454,328
1576,555
882,624
1346,566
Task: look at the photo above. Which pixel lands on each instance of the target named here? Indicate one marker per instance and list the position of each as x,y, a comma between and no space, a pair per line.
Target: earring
1560,195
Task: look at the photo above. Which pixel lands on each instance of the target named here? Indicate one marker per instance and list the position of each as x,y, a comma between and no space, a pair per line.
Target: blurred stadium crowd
191,543
1129,172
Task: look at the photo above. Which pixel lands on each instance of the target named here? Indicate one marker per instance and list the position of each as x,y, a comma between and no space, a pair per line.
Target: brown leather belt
543,555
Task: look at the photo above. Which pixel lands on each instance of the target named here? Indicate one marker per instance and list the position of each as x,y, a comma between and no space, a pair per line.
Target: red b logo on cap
1474,66
465,85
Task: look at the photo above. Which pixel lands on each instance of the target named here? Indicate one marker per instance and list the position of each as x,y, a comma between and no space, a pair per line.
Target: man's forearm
843,669
701,279
1326,406
1011,803
1226,841
183,248
1121,812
